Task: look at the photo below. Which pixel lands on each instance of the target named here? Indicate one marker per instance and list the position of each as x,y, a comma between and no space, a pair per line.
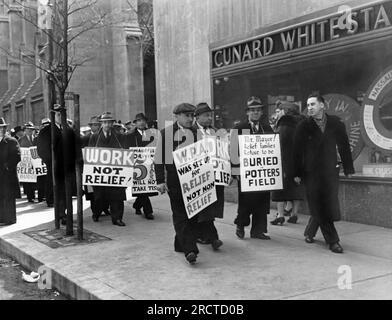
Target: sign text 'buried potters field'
196,174
107,167
260,162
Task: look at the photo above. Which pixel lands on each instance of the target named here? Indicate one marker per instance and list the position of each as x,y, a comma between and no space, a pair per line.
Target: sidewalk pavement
140,263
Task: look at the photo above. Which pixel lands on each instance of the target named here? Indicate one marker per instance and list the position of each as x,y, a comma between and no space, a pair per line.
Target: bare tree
72,41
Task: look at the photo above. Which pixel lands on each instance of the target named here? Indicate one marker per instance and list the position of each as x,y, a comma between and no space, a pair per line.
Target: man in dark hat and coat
106,137
65,163
175,136
316,142
207,230
27,141
9,159
138,139
255,204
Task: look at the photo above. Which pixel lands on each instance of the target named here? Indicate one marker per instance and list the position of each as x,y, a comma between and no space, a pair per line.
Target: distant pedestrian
9,159
316,142
287,120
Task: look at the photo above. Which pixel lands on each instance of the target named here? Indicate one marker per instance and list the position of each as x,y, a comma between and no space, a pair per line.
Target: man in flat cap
255,204
139,139
9,159
27,141
106,137
207,233
176,136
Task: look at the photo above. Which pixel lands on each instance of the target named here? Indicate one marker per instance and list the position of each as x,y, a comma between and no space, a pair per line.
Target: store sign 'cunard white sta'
346,22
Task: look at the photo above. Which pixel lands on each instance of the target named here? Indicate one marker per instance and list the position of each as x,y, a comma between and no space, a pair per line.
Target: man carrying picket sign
207,233
174,137
257,203
115,196
27,141
138,139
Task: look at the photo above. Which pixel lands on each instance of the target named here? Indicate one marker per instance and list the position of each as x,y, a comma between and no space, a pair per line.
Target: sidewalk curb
59,282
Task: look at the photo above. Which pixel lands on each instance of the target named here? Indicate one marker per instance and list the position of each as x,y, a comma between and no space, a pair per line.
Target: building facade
227,50
109,79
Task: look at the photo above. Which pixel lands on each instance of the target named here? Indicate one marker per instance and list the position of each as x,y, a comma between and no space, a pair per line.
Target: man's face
141,124
29,132
20,134
57,118
315,108
205,119
94,127
185,119
130,126
254,114
107,125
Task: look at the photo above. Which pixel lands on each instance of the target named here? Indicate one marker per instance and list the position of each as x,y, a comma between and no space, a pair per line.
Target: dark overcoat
9,184
250,202
65,163
98,140
215,210
316,162
286,126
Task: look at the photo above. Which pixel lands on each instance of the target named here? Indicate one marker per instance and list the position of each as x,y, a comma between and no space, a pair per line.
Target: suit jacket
242,128
98,140
135,139
24,142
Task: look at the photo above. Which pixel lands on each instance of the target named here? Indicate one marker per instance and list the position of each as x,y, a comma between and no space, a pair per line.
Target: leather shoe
191,257
216,244
119,223
261,236
309,240
138,212
149,216
240,232
336,247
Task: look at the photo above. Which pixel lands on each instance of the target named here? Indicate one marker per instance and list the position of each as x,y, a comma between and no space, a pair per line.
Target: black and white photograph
195,157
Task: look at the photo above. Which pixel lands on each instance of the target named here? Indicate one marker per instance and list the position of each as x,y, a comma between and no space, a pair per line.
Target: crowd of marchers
314,150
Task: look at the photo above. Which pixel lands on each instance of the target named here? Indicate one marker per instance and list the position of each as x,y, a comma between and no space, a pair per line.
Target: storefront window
344,78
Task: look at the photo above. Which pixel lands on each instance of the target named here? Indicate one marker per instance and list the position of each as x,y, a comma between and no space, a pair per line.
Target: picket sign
260,162
196,174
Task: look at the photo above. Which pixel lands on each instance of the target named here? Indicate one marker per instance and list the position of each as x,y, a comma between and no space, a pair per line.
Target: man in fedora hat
94,125
27,141
138,139
106,137
207,231
175,136
9,159
18,132
65,163
255,204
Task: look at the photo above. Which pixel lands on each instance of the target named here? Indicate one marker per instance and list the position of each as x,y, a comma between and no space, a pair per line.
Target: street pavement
139,261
